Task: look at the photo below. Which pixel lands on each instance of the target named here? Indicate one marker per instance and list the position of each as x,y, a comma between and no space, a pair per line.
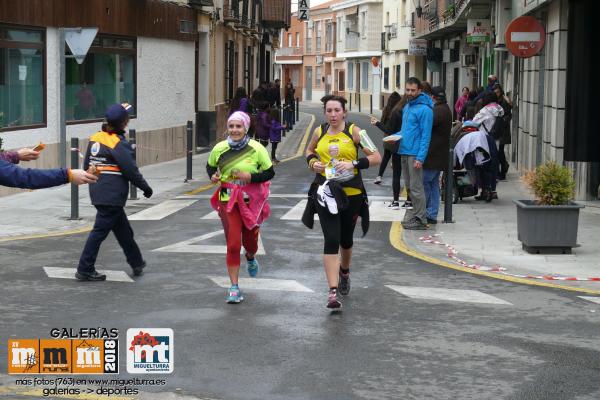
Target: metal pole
132,141
359,96
449,187
297,108
190,151
371,104
350,102
74,187
62,124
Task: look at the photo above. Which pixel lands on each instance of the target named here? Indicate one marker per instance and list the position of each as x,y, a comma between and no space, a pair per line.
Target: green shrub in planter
548,224
552,184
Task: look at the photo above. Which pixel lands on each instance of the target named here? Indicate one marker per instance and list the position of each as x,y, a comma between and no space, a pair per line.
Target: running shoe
234,296
344,283
407,205
394,205
252,267
377,180
332,300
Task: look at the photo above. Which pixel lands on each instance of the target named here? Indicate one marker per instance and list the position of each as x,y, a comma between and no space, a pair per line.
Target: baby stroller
464,179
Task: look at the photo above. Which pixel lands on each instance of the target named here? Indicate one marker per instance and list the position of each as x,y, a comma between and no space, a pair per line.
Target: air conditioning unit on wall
468,60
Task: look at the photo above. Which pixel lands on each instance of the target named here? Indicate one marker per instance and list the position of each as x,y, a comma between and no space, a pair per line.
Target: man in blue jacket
417,121
111,157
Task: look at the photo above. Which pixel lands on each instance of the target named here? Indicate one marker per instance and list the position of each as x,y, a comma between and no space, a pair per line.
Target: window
107,76
350,75
318,76
364,71
386,78
290,40
309,29
329,36
363,24
398,76
297,40
22,77
318,25
341,81
339,29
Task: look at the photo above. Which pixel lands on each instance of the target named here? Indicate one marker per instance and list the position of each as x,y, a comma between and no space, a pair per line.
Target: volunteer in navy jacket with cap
111,157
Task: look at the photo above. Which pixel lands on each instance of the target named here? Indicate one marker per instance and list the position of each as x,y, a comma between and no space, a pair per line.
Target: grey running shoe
344,283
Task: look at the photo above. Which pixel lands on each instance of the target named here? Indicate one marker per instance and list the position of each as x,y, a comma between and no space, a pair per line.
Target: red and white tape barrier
453,254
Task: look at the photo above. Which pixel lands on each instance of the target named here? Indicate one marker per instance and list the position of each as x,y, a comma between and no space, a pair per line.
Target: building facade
127,53
397,65
359,44
552,105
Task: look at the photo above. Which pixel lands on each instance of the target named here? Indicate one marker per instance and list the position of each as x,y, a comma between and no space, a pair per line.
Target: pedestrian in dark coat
437,155
111,157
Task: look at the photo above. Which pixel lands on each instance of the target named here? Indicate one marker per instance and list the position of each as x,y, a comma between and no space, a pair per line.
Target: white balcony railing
352,42
289,51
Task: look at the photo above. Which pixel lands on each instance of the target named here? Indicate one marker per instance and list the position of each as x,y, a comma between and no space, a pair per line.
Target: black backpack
497,129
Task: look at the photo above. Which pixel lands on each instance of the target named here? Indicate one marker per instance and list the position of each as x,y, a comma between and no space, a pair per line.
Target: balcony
352,41
277,13
231,11
443,17
289,51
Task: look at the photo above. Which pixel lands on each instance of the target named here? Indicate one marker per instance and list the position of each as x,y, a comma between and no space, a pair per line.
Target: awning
351,10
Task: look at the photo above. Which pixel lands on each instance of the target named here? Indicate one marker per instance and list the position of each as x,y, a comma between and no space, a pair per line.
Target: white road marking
162,210
191,246
466,296
69,273
295,214
378,212
211,215
278,196
591,298
262,284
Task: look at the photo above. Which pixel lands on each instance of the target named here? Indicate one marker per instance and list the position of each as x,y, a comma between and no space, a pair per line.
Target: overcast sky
312,3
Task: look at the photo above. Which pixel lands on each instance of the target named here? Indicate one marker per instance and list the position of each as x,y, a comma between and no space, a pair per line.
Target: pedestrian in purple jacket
275,133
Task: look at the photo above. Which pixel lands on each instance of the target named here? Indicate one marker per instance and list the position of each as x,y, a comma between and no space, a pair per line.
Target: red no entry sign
525,37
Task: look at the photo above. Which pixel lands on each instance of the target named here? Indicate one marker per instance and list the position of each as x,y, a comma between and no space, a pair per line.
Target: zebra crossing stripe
263,284
458,295
378,212
591,298
69,273
193,246
162,210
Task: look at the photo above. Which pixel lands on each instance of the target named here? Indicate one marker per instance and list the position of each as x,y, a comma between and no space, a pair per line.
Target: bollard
359,96
190,151
297,109
74,187
350,102
371,104
449,188
132,142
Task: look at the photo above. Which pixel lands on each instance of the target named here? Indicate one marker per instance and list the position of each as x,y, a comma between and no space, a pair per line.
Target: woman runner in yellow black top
333,155
242,166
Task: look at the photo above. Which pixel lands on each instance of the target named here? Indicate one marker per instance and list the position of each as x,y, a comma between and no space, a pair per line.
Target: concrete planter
546,229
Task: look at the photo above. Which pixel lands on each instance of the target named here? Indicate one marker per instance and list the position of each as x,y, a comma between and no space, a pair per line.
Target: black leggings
384,162
396,170
338,229
273,149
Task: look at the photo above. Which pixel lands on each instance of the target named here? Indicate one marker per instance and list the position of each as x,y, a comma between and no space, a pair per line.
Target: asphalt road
535,344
